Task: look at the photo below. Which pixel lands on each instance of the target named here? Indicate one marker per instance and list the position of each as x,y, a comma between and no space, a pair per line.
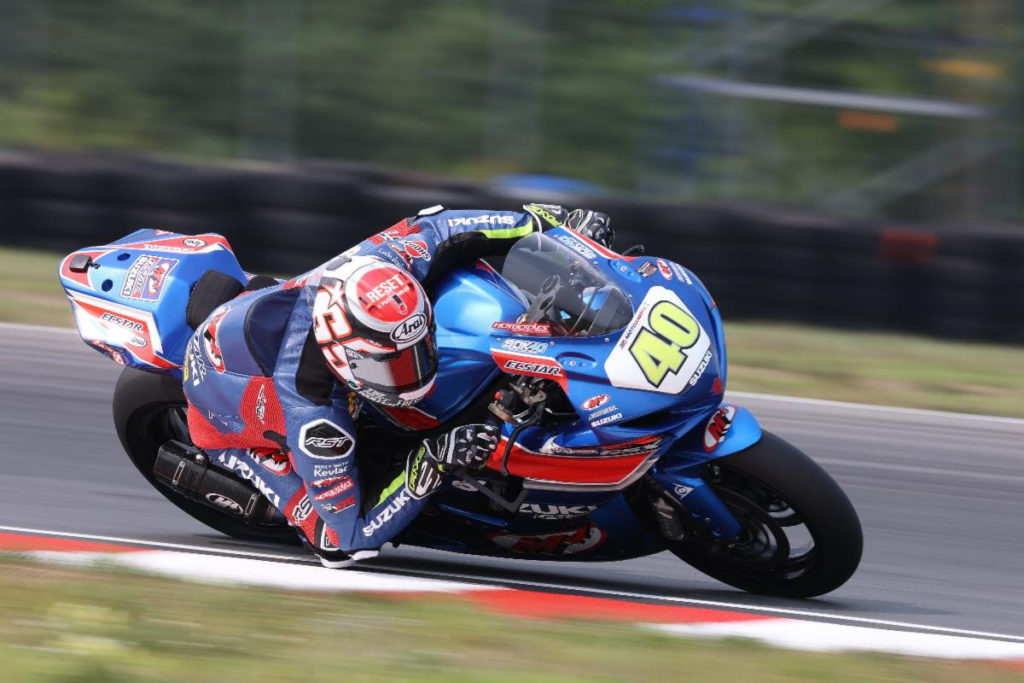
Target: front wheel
800,534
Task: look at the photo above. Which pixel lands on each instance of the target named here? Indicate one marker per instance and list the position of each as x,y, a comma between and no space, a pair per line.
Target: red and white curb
247,568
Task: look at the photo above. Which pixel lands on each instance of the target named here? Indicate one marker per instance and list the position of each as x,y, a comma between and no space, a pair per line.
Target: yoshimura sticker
662,347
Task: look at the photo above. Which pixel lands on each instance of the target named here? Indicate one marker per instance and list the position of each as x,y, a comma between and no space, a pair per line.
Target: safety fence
759,263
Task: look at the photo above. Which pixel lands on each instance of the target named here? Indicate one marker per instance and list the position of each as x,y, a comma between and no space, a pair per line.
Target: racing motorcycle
607,372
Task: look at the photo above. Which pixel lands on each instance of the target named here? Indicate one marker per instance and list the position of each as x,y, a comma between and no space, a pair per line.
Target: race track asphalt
941,496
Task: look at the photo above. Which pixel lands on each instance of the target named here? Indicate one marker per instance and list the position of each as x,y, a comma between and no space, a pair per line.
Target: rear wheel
149,410
801,536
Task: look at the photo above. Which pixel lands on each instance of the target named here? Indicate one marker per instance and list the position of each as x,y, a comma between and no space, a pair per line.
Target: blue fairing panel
467,302
730,429
129,296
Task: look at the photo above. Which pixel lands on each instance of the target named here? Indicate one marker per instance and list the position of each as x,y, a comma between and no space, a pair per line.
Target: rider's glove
546,216
467,446
593,224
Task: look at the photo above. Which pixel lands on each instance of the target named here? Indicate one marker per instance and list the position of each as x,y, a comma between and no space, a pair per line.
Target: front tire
801,535
149,410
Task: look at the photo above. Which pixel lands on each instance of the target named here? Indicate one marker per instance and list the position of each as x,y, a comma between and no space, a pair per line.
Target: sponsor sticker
595,402
301,511
647,269
343,484
210,342
323,440
606,420
681,273
536,369
385,515
537,329
137,337
275,462
560,543
603,411
194,368
146,277
245,470
328,472
421,476
577,246
662,347
486,219
337,506
551,511
718,427
524,346
681,490
410,329
225,503
261,404
666,272
699,372
395,232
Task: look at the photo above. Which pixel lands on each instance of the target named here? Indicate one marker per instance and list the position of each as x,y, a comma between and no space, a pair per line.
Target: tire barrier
760,263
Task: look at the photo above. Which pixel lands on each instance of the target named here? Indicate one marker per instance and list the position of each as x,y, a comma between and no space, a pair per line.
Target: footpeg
178,468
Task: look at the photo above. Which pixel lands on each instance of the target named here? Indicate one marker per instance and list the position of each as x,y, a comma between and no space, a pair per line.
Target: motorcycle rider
275,377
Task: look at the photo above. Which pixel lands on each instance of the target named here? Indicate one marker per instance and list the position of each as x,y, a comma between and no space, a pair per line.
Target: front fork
678,473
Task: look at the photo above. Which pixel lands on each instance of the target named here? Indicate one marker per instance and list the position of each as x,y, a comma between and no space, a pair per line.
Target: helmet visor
400,371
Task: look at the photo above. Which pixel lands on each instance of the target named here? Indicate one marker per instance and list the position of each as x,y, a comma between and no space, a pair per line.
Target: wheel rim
775,541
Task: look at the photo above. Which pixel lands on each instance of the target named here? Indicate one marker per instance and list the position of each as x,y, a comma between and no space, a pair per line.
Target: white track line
631,595
891,410
37,328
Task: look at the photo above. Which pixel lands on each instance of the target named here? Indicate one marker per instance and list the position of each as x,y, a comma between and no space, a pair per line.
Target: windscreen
564,290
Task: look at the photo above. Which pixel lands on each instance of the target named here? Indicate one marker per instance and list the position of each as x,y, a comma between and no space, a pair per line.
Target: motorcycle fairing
130,295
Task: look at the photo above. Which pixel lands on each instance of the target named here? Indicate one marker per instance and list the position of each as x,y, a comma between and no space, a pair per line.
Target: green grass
60,624
864,367
29,289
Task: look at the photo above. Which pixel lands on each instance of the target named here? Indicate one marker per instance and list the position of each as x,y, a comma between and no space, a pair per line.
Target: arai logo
410,329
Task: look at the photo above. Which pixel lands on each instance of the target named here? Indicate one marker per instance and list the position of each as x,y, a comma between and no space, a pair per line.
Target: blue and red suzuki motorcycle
607,371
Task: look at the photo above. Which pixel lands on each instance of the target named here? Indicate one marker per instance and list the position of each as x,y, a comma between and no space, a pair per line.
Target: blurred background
850,163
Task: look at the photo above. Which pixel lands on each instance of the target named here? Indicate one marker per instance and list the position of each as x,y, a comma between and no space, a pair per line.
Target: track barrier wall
759,263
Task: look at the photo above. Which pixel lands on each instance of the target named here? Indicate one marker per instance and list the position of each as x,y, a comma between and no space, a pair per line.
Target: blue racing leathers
263,403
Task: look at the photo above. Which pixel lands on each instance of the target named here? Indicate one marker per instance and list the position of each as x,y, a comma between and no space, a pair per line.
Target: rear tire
773,489
149,410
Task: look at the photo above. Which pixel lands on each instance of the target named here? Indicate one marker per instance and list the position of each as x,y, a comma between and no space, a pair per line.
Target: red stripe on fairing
145,353
177,243
26,543
537,605
567,469
81,278
599,248
501,357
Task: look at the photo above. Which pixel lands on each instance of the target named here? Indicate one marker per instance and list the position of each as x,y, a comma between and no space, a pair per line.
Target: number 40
661,351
